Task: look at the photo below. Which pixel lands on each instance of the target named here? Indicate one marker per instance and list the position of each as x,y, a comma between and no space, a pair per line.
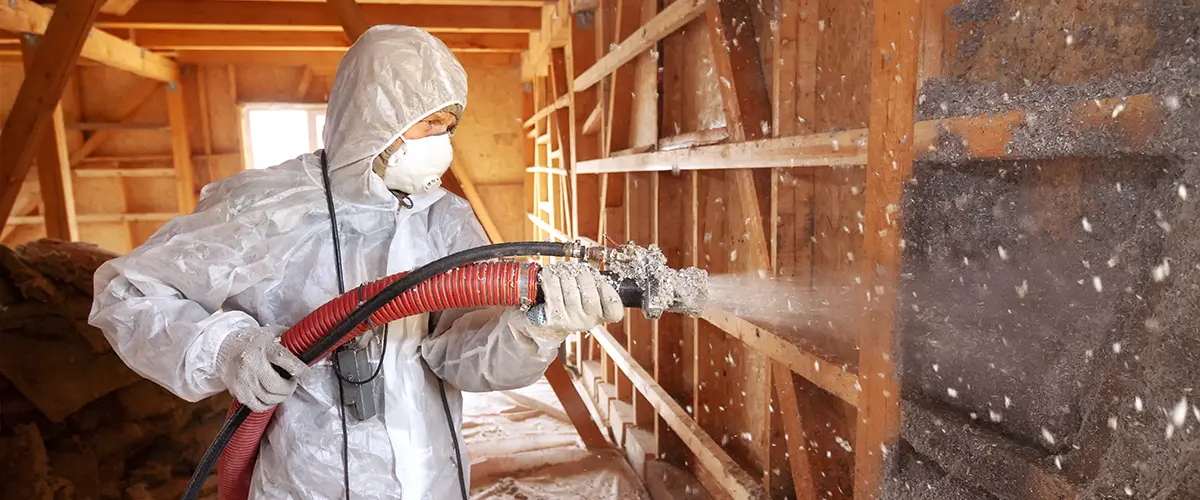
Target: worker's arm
159,305
482,349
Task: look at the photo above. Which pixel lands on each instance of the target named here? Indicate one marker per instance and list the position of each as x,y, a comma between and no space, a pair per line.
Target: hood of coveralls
391,78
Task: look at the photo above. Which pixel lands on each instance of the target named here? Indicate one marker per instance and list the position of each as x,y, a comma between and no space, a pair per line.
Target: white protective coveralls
258,251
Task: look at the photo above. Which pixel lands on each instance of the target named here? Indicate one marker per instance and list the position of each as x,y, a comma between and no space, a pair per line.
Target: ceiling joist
305,40
307,16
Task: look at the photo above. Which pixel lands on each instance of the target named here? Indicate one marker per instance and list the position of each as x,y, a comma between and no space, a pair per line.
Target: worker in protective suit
198,308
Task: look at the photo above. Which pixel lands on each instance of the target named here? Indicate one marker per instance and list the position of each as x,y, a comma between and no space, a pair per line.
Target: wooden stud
666,22
117,7
32,113
732,479
351,16
889,166
472,196
132,103
592,124
54,172
246,40
25,16
181,149
306,16
558,104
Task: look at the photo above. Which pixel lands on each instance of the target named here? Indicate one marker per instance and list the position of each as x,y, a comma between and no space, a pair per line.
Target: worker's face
441,122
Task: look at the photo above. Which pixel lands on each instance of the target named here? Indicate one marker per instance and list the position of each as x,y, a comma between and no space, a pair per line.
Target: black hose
362,313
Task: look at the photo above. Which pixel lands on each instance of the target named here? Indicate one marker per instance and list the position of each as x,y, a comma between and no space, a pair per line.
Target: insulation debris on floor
522,446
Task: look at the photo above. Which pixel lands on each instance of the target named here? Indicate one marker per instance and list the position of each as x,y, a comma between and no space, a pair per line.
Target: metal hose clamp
523,288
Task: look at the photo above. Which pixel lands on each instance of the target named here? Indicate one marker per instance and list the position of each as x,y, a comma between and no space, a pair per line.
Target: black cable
363,312
462,482
337,369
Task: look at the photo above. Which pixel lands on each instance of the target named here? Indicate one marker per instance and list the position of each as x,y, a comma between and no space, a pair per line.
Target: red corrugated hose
474,285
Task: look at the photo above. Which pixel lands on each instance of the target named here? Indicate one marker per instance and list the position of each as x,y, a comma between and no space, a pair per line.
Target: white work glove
244,364
577,298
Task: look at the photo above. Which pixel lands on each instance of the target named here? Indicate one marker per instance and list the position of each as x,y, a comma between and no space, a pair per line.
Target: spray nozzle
644,280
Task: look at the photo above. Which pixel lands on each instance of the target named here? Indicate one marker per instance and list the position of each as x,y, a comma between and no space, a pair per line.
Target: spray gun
643,280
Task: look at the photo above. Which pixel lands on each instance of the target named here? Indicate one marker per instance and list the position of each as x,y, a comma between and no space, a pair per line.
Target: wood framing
889,165
128,109
243,40
54,172
117,7
24,16
32,115
306,16
350,14
733,481
670,19
181,150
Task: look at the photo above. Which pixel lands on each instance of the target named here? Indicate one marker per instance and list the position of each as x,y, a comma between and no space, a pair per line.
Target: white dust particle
1170,431
1128,491
1070,40
974,416
817,365
995,416
1116,348
1097,284
1161,271
953,393
1182,192
688,409
850,256
1087,226
1117,110
1112,423
725,440
747,436
1112,261
1058,461
766,127
1137,403
1047,436
1179,413
944,107
1023,289
1007,402
733,256
1003,253
821,25
844,444
1089,354
1172,102
836,146
935,367
729,359
1015,16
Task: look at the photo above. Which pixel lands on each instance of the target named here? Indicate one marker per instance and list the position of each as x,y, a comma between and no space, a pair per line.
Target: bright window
275,133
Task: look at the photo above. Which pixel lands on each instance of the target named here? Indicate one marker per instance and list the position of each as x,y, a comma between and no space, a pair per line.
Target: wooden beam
481,3
621,84
323,62
581,418
123,172
117,7
350,14
181,150
24,16
838,148
559,103
689,140
592,124
984,137
133,102
242,40
32,114
548,228
733,480
666,22
101,218
303,16
889,166
472,196
54,172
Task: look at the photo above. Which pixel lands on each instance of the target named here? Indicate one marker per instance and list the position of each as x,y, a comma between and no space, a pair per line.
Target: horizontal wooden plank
545,226
693,139
666,22
99,218
321,61
92,126
546,170
559,103
1130,121
830,377
485,3
24,16
294,16
732,478
841,148
305,40
123,172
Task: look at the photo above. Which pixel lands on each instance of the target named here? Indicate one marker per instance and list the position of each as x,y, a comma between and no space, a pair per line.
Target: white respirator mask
417,166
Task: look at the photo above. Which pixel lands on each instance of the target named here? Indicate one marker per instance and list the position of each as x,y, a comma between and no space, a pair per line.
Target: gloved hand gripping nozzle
643,280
